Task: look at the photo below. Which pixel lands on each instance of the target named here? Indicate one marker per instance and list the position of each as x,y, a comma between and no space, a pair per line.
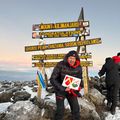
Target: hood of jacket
109,62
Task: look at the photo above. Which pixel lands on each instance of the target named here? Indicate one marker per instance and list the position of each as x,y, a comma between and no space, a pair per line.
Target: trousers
73,102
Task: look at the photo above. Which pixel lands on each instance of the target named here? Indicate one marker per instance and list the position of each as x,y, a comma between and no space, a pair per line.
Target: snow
4,106
44,93
33,94
42,112
29,90
113,117
82,91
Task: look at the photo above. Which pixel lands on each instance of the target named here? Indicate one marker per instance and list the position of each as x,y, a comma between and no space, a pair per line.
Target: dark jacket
62,69
111,70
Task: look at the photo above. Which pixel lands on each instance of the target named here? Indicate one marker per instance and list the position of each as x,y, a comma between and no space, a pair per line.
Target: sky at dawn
18,16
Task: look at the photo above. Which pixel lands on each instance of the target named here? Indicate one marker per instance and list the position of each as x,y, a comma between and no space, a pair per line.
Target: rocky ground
26,106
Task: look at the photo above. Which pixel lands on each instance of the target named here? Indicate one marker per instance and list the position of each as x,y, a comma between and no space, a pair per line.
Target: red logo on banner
68,80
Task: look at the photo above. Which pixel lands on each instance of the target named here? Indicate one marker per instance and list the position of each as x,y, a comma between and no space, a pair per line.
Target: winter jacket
111,70
62,69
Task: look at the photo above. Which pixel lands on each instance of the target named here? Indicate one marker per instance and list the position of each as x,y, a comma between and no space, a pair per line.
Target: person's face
72,60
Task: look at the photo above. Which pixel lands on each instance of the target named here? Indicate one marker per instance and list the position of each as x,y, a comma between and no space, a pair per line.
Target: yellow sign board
63,45
48,56
41,35
85,55
57,56
49,26
53,64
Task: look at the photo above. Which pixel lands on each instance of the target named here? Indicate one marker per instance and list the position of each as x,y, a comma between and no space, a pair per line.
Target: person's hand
99,73
68,90
75,93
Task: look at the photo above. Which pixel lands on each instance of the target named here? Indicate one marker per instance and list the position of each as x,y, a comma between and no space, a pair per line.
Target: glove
75,93
68,90
79,88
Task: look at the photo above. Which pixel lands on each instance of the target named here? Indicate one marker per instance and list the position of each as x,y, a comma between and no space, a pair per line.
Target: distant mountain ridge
17,75
27,75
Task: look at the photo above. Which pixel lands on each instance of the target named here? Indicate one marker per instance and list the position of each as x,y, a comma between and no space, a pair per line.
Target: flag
40,80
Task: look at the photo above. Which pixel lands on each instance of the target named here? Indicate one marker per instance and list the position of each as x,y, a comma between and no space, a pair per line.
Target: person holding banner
64,74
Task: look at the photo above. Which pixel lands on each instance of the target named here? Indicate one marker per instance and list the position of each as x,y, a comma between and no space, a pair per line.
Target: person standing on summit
112,82
117,61
70,65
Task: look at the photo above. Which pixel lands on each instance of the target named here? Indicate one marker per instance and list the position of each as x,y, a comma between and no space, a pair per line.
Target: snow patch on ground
4,106
29,90
113,117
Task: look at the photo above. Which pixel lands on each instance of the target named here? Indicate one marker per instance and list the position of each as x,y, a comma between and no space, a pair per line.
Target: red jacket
116,59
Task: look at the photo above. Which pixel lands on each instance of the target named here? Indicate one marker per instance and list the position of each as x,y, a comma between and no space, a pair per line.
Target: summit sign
64,25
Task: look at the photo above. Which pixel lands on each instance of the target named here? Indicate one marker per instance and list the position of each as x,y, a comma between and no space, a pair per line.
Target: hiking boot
112,110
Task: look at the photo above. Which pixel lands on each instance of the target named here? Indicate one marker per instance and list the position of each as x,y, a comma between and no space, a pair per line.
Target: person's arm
54,79
80,76
102,71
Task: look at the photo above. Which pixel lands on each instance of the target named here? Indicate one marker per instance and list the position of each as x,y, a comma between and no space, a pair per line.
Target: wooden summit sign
57,56
50,26
53,64
63,45
41,35
79,33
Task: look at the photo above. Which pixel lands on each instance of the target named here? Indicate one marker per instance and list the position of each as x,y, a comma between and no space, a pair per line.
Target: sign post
39,88
43,67
83,50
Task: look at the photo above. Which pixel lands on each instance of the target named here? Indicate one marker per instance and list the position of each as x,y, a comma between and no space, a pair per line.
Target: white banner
71,82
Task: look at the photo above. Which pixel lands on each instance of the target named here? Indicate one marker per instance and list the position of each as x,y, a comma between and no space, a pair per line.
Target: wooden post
44,73
39,91
83,50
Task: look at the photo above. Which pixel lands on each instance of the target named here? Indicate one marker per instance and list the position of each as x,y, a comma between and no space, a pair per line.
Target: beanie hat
118,54
72,53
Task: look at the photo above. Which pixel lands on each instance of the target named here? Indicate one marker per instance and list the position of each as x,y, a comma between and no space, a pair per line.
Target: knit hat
118,54
72,53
